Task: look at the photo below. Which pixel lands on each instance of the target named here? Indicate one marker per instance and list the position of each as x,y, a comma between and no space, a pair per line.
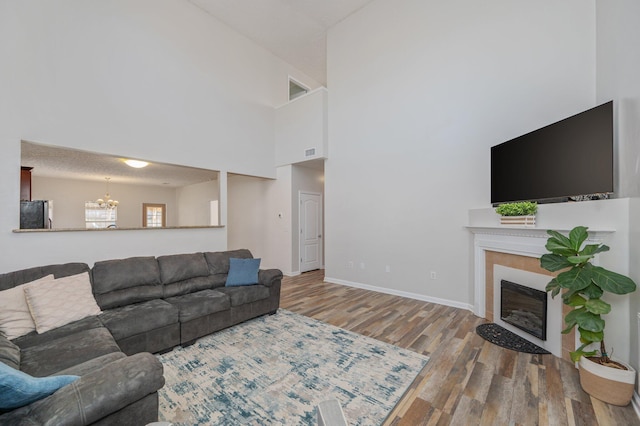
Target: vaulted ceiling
293,30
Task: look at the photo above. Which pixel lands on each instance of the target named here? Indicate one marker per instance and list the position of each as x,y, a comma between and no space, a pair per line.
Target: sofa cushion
9,353
190,285
199,304
15,317
129,296
59,354
13,279
245,294
218,262
18,389
131,320
100,397
92,364
122,282
180,267
62,301
242,272
118,274
34,339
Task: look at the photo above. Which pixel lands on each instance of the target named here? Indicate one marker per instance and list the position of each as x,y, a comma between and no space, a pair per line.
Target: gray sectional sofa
149,305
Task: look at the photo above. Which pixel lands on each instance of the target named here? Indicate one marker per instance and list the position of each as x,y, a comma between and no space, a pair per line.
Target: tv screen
570,158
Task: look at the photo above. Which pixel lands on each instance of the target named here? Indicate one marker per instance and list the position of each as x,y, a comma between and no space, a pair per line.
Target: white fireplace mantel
608,222
513,240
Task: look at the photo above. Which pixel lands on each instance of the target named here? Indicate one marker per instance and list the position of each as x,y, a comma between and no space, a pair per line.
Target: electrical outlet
350,264
387,268
361,265
434,275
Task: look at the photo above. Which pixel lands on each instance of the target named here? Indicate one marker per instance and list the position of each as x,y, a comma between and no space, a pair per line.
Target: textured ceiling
293,30
51,161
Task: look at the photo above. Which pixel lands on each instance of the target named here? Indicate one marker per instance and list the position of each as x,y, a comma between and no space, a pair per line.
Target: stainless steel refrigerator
36,214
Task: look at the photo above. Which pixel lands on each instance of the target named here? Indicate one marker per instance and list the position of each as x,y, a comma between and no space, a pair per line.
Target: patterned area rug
275,369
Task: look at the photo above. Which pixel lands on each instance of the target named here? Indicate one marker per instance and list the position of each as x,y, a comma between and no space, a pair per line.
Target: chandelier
107,202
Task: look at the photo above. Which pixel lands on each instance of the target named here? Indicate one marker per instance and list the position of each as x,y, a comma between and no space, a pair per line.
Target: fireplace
524,307
535,284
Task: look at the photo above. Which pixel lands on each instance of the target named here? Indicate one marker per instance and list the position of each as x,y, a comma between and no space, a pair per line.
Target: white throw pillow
15,317
60,302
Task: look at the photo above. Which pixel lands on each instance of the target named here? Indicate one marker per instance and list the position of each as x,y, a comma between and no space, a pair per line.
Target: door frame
299,230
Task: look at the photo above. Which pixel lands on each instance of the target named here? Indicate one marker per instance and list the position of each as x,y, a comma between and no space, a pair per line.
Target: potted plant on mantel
583,285
522,213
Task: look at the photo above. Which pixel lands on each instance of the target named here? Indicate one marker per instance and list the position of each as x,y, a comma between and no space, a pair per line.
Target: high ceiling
293,30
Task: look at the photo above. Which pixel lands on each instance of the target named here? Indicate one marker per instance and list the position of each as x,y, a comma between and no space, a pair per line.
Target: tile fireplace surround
520,248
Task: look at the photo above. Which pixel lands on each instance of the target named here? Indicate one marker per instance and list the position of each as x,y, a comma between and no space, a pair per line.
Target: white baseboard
635,401
421,297
291,274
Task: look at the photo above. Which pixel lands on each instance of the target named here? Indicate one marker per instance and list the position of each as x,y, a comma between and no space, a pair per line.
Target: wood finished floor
468,381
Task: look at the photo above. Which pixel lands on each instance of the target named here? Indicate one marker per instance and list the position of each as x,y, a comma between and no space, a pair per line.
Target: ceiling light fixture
109,203
136,164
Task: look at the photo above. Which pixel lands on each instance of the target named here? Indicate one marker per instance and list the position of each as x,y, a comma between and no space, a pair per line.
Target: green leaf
554,262
575,279
587,336
553,287
561,238
592,291
576,260
589,321
611,281
593,249
566,296
575,356
555,246
576,300
568,329
521,208
571,318
577,236
597,306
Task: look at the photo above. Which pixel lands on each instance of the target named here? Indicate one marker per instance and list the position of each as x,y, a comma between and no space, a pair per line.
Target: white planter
607,384
528,221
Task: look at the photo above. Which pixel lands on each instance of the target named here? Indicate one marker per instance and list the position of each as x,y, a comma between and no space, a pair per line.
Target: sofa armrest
96,394
267,277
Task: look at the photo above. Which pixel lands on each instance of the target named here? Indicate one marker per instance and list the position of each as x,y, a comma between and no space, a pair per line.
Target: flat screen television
570,158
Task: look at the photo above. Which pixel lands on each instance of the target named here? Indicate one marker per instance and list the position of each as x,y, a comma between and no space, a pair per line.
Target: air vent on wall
310,152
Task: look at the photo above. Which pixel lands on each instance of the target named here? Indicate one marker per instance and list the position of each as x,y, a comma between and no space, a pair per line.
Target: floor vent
309,152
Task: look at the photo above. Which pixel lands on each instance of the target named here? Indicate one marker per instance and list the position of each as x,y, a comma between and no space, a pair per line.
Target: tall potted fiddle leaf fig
583,285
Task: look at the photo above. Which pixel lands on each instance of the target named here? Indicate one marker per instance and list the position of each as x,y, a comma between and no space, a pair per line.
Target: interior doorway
311,231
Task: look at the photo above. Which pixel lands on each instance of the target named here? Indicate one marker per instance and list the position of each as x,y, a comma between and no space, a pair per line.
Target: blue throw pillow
18,389
242,272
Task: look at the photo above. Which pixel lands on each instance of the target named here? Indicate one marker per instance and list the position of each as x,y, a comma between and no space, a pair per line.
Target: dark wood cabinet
25,183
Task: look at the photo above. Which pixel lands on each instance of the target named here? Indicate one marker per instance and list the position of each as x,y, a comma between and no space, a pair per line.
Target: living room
418,92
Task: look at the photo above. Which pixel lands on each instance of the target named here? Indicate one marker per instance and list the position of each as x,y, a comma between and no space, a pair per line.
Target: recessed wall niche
70,177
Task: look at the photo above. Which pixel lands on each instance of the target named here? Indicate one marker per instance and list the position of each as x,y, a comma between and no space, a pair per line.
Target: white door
310,231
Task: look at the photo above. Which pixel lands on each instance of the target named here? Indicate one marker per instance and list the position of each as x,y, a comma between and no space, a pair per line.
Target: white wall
194,203
259,217
300,125
618,78
420,90
153,79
